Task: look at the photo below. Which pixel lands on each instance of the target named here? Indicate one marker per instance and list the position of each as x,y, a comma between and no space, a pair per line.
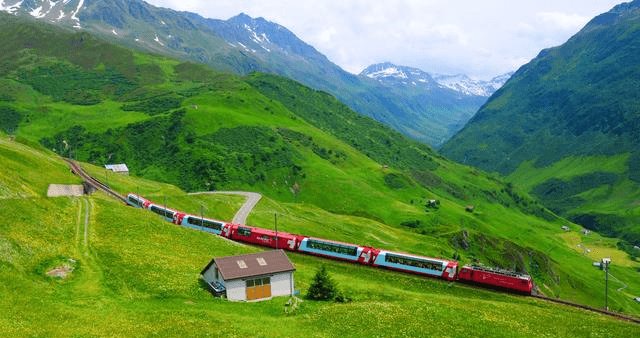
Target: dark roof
256,264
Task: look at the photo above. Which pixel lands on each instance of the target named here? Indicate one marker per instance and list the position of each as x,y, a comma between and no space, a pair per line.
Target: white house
118,168
251,277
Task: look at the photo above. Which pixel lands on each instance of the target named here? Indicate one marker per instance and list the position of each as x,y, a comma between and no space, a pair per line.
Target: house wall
282,284
209,275
236,290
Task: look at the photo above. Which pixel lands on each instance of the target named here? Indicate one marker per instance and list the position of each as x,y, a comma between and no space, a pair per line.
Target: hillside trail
241,215
91,275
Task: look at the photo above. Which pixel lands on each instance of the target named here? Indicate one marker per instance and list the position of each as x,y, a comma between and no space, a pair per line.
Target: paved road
243,213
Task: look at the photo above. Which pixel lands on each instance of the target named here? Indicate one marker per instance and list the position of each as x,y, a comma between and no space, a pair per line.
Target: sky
479,38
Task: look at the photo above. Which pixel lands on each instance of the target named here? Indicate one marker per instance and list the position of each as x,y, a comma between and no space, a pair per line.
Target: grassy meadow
135,275
185,128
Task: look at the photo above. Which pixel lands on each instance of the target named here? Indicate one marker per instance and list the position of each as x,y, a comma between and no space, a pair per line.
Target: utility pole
275,220
201,218
605,267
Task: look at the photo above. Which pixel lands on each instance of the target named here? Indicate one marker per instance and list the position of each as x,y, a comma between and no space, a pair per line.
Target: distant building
250,277
470,208
585,231
118,168
565,228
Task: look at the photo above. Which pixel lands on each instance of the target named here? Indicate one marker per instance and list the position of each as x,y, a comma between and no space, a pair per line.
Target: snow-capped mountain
466,85
53,11
430,112
391,74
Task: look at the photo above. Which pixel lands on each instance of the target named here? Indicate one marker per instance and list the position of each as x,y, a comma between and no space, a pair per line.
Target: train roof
498,271
417,256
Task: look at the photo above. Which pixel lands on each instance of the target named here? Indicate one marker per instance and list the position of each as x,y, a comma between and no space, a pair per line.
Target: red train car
496,278
259,236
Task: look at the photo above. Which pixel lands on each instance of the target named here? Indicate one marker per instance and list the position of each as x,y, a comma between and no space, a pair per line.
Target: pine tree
322,287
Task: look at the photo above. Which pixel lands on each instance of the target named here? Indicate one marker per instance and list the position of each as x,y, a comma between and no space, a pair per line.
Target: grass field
135,275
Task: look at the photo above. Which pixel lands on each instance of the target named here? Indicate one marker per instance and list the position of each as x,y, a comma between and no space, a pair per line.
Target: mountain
466,85
75,94
566,125
243,45
393,75
444,109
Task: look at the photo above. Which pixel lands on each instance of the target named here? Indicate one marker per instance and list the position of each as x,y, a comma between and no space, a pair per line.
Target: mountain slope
329,171
136,275
578,100
243,45
448,101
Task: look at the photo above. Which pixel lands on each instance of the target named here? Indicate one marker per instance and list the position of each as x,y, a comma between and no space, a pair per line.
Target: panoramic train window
418,263
135,201
205,223
242,231
333,247
162,212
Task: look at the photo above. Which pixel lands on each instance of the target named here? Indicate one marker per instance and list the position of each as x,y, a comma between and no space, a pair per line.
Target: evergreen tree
322,287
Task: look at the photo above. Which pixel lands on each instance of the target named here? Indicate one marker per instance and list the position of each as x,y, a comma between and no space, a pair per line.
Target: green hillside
566,127
325,170
130,274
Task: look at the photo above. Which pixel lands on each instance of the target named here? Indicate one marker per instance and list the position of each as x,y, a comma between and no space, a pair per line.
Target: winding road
243,213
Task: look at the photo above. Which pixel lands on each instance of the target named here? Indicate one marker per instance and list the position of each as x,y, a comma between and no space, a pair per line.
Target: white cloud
562,21
480,38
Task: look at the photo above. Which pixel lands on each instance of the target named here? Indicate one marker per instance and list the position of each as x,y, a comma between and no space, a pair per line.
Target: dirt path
242,214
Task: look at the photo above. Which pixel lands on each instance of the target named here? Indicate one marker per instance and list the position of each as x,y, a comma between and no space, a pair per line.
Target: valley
323,168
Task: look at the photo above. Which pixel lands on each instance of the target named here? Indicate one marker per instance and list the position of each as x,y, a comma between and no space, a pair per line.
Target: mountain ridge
392,74
574,101
243,45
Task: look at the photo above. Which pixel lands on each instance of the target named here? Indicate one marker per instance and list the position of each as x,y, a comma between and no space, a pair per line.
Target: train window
205,223
162,212
410,261
333,247
135,201
242,231
265,237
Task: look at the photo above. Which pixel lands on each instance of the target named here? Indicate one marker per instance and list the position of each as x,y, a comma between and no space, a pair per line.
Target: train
448,270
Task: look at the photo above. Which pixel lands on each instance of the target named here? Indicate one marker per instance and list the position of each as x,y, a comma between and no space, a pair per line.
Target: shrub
322,287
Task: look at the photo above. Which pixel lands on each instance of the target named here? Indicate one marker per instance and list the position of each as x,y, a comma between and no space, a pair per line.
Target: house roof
117,167
262,263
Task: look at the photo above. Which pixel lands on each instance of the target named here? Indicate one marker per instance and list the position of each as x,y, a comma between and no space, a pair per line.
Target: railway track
589,308
77,169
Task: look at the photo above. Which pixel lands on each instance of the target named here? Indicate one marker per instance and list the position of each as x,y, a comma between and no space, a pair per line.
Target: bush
322,287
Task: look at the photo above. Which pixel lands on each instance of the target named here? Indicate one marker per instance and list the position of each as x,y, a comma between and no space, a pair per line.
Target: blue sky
480,38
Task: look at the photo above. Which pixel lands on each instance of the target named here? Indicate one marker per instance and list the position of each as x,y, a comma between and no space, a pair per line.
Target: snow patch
37,13
114,32
468,86
388,72
61,15
162,22
158,40
10,9
74,17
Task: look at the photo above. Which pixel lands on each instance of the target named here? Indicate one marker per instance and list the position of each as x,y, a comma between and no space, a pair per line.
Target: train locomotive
408,263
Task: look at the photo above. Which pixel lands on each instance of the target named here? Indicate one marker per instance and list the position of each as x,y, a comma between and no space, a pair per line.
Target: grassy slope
343,197
566,116
136,275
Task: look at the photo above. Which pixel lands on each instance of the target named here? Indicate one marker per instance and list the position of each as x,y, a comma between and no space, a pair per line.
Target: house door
258,288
